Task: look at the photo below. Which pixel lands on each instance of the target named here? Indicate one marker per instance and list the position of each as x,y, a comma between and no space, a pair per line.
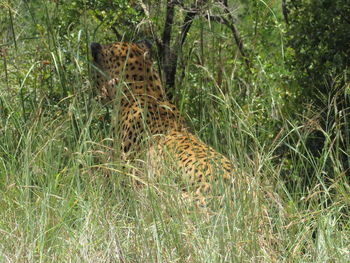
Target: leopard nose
95,49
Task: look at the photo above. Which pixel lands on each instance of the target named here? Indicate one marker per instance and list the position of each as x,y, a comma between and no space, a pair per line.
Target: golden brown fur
145,114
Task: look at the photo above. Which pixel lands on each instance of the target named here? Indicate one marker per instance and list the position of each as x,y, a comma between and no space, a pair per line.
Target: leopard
125,76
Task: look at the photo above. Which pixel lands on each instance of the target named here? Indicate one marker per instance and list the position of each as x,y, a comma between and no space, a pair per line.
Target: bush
319,44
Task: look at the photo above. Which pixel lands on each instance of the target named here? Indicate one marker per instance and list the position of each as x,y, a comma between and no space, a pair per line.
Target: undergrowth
67,197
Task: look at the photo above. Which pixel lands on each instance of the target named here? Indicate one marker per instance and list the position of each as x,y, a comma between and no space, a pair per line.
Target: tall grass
65,197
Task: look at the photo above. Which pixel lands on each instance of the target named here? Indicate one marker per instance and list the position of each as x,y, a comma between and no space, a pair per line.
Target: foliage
67,196
319,57
319,44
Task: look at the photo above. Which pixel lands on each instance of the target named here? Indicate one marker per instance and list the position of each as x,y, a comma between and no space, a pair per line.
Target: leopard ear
95,49
145,44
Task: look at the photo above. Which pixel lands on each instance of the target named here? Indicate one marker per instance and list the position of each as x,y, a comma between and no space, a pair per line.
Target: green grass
65,196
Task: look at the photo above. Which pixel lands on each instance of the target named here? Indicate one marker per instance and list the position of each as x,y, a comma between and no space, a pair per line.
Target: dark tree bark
167,55
285,11
169,51
230,24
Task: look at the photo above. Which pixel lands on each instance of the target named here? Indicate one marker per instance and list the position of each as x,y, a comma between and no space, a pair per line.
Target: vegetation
241,78
319,37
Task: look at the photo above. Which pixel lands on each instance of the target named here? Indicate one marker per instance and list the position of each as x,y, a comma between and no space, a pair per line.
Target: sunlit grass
66,195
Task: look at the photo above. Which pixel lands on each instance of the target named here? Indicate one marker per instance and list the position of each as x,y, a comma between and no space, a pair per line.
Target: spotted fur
125,71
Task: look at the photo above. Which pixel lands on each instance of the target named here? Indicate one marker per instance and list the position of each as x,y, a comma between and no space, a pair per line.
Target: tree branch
285,11
149,22
230,24
169,20
186,26
115,31
169,53
180,40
